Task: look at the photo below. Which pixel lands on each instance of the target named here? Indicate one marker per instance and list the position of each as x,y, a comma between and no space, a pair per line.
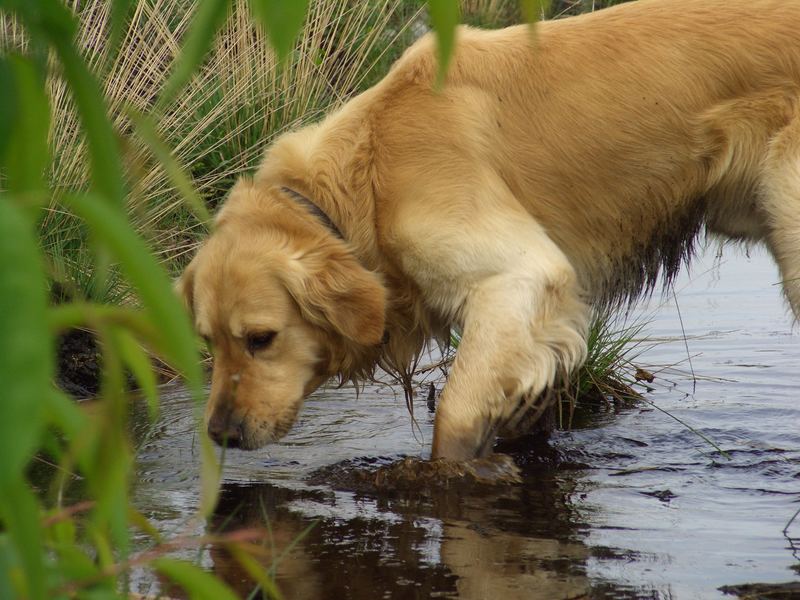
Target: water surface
631,503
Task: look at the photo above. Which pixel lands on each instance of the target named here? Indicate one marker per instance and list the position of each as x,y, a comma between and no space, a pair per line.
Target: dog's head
277,297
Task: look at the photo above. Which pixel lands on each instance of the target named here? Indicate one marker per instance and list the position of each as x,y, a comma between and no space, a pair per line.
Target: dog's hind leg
780,202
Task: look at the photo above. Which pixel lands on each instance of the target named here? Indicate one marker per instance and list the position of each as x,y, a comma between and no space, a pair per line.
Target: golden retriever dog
551,172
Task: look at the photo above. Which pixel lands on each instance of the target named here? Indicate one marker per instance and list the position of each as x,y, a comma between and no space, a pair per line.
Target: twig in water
685,340
702,436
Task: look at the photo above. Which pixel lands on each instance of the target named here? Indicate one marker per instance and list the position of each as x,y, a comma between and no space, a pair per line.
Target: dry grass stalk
219,125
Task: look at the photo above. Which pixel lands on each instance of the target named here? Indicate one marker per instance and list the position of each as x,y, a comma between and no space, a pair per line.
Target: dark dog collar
313,209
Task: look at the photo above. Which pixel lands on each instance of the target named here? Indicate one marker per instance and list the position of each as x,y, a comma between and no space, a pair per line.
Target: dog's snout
224,429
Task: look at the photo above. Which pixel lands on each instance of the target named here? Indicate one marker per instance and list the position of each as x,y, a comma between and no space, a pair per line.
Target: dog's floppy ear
332,287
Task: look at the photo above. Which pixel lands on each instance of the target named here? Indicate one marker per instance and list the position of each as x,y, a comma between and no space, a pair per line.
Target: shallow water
630,504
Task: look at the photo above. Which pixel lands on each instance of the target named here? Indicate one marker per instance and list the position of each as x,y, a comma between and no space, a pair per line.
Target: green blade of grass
265,584
9,565
8,105
288,549
533,10
445,15
19,512
136,359
175,337
103,149
210,475
208,19
282,20
81,314
51,21
64,413
120,9
198,583
177,175
29,108
26,369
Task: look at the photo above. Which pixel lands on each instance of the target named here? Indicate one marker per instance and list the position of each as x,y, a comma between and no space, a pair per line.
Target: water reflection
503,543
628,504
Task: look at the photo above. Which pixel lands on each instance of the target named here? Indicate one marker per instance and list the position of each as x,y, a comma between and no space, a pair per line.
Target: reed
231,109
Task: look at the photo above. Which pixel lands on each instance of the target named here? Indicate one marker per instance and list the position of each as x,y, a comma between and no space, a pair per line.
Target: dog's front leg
523,324
482,261
520,331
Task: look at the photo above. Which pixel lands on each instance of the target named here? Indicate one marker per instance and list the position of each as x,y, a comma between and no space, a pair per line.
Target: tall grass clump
609,374
236,102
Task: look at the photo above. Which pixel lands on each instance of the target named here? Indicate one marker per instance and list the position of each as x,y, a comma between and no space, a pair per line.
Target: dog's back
616,129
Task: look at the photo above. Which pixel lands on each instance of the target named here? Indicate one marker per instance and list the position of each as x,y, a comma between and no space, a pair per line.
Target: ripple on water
631,505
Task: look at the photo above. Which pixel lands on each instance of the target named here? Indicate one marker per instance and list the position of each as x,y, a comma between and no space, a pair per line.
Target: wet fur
550,173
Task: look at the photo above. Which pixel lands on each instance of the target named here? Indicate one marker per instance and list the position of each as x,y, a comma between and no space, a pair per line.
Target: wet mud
423,476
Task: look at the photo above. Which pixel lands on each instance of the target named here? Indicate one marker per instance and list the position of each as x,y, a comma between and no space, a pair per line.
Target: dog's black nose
222,430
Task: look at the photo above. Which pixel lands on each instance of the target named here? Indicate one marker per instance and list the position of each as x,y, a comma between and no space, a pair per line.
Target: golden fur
544,177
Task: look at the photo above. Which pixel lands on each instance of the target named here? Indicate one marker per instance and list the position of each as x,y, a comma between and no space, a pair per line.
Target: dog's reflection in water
452,538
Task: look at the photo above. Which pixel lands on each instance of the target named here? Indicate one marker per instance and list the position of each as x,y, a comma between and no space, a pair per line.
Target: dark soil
78,360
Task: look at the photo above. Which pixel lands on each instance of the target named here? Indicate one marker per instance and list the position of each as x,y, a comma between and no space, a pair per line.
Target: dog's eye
260,341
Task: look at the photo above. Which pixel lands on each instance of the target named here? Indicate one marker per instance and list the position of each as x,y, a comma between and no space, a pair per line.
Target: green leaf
10,569
107,172
444,15
175,336
120,9
64,413
256,571
210,474
74,563
103,593
26,366
26,373
198,583
8,105
29,108
50,20
81,314
534,10
19,514
138,520
136,359
283,20
177,175
207,20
